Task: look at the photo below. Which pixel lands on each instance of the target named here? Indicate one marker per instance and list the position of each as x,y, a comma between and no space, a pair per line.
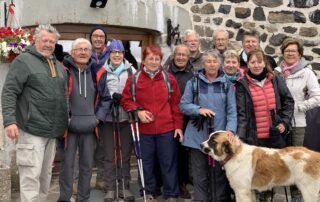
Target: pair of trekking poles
134,123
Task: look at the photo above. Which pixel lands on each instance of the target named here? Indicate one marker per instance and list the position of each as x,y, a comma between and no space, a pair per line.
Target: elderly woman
303,85
160,121
264,106
209,98
118,70
231,66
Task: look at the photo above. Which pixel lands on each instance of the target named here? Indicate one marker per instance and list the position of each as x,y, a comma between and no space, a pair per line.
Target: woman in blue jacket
209,100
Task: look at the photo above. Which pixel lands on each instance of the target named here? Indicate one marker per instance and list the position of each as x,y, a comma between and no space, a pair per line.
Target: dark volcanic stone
183,1
231,34
315,66
276,40
231,23
290,29
195,9
281,17
308,57
240,35
196,18
208,32
199,30
308,31
303,3
225,9
315,16
242,12
258,14
299,17
207,9
263,37
266,3
238,1
309,43
217,21
316,50
269,50
206,44
198,1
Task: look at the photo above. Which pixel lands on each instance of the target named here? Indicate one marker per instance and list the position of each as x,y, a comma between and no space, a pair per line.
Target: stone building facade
274,19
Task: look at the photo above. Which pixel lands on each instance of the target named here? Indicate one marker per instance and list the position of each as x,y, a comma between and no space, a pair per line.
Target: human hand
206,112
281,127
145,116
178,132
12,131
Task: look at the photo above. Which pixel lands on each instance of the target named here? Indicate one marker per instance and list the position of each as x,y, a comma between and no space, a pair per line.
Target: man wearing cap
98,39
89,102
118,70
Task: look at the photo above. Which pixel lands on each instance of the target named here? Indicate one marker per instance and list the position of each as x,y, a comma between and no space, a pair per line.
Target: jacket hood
68,62
32,50
302,64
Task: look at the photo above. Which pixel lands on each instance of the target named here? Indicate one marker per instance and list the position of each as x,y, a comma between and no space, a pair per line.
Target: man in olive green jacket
34,107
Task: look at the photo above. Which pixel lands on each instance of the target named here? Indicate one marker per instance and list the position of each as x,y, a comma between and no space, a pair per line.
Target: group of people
98,101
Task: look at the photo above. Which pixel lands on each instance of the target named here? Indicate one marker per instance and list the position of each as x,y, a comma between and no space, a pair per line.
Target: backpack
195,88
135,78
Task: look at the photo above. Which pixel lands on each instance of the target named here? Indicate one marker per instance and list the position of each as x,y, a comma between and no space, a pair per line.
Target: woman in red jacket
160,118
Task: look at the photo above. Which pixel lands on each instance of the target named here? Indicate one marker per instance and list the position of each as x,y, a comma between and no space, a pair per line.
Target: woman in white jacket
304,87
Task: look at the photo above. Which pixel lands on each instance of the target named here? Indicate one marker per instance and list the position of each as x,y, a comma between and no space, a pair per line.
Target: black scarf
260,76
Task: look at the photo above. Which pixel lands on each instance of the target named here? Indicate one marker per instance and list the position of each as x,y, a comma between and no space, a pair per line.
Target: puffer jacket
247,129
304,87
116,85
219,97
33,97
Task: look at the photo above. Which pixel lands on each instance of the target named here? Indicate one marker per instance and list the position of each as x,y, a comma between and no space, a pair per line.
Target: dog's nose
204,149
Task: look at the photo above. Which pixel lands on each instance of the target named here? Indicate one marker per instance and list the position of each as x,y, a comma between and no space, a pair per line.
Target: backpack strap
168,84
129,71
195,89
134,81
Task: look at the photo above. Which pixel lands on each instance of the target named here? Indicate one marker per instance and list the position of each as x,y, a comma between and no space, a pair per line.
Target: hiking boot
126,195
150,198
184,193
109,197
171,200
99,185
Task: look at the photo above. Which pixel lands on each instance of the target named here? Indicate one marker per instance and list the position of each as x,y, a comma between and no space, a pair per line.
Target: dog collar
224,161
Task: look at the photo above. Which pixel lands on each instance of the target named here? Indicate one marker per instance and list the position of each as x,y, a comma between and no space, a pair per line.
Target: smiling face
152,62
45,43
221,41
192,42
81,54
98,40
211,66
116,57
181,56
249,43
256,64
291,54
231,65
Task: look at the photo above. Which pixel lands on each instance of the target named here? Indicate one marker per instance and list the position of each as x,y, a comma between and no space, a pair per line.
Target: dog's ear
227,147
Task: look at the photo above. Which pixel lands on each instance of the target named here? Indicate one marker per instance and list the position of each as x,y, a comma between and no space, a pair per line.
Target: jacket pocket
26,155
82,124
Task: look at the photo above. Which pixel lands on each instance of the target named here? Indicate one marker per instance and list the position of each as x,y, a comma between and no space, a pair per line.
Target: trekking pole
212,169
115,150
136,140
120,149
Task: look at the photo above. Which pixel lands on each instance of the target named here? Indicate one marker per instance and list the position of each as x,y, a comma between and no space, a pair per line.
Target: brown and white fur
251,168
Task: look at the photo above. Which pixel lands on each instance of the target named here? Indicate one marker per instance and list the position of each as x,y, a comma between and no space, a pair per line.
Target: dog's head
220,145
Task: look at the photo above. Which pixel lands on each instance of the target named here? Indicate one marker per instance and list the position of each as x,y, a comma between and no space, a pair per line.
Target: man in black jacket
181,68
250,41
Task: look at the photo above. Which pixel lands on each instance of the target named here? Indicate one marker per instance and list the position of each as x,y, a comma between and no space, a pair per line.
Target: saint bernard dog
251,168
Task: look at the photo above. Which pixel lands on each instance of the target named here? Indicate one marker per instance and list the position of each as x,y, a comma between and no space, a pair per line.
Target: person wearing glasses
181,68
220,42
89,102
304,87
98,39
118,70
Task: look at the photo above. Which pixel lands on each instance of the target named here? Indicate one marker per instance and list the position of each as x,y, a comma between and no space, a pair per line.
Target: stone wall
274,19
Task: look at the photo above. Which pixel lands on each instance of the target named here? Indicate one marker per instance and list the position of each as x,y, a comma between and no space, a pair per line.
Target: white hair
47,27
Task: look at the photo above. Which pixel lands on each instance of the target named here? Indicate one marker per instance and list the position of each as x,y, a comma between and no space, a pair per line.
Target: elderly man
192,40
220,42
98,39
34,107
89,102
250,41
181,68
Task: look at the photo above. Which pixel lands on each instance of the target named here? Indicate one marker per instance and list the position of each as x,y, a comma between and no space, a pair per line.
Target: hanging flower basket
13,42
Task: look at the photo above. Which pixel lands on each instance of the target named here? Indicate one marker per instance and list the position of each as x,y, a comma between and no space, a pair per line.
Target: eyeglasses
191,41
220,40
81,50
116,52
98,36
290,51
181,54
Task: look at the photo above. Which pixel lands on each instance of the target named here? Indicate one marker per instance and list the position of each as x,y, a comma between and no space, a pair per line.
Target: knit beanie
102,29
116,45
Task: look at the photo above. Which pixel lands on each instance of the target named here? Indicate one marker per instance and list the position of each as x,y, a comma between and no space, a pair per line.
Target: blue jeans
164,147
